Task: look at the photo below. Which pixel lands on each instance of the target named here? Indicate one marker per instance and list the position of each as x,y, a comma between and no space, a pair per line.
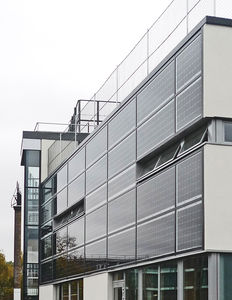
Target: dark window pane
156,93
62,201
47,228
156,194
76,233
150,283
196,278
61,240
193,139
189,178
32,177
167,155
168,281
189,104
156,237
121,211
47,211
121,182
96,147
131,284
46,245
62,178
96,175
228,132
46,271
76,263
188,63
190,226
76,190
122,123
49,189
32,158
76,165
61,267
96,255
96,224
32,206
157,129
121,247
122,155
97,198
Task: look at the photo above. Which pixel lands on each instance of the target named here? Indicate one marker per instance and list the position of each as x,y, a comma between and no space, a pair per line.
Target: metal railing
177,20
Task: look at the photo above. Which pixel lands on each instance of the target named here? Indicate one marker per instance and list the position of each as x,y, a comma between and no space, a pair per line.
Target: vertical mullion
159,296
180,281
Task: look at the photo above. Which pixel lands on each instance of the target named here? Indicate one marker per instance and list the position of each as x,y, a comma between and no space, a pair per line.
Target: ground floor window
70,290
185,279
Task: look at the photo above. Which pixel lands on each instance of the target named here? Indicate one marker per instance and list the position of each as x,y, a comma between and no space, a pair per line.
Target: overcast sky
52,53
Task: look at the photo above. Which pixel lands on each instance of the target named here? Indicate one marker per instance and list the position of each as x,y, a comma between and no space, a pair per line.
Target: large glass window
122,182
225,276
157,129
46,245
150,283
131,284
76,190
96,224
97,198
156,93
76,233
168,281
156,237
96,174
196,278
97,146
121,247
122,155
122,123
62,178
61,240
188,63
189,104
156,194
76,165
121,211
189,179
61,201
190,226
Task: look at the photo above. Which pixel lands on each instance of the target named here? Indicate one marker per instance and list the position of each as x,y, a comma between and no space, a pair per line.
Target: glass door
119,290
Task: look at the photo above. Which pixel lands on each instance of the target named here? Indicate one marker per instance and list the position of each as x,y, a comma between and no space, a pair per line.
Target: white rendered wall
98,287
218,197
47,292
17,294
44,158
217,68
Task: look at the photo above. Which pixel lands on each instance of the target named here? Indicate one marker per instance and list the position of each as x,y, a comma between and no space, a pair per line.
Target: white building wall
98,287
17,294
47,292
217,68
218,197
45,144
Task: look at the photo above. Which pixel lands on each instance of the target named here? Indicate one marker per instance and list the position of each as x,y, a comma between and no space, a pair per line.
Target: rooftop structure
129,211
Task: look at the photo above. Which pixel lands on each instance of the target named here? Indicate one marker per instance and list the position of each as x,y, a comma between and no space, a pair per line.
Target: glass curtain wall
70,290
31,223
160,281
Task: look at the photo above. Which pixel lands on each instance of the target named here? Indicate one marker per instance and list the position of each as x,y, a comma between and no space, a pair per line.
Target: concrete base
17,294
98,287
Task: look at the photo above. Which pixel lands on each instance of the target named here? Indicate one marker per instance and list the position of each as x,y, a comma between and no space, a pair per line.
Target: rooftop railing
177,20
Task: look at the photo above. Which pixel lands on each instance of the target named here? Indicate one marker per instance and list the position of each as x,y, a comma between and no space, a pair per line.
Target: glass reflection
168,281
131,284
61,240
76,233
196,278
150,283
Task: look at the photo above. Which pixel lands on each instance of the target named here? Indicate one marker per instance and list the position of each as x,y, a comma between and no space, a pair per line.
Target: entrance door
119,290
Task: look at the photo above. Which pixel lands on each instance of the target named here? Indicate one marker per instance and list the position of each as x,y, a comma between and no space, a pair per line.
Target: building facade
142,209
